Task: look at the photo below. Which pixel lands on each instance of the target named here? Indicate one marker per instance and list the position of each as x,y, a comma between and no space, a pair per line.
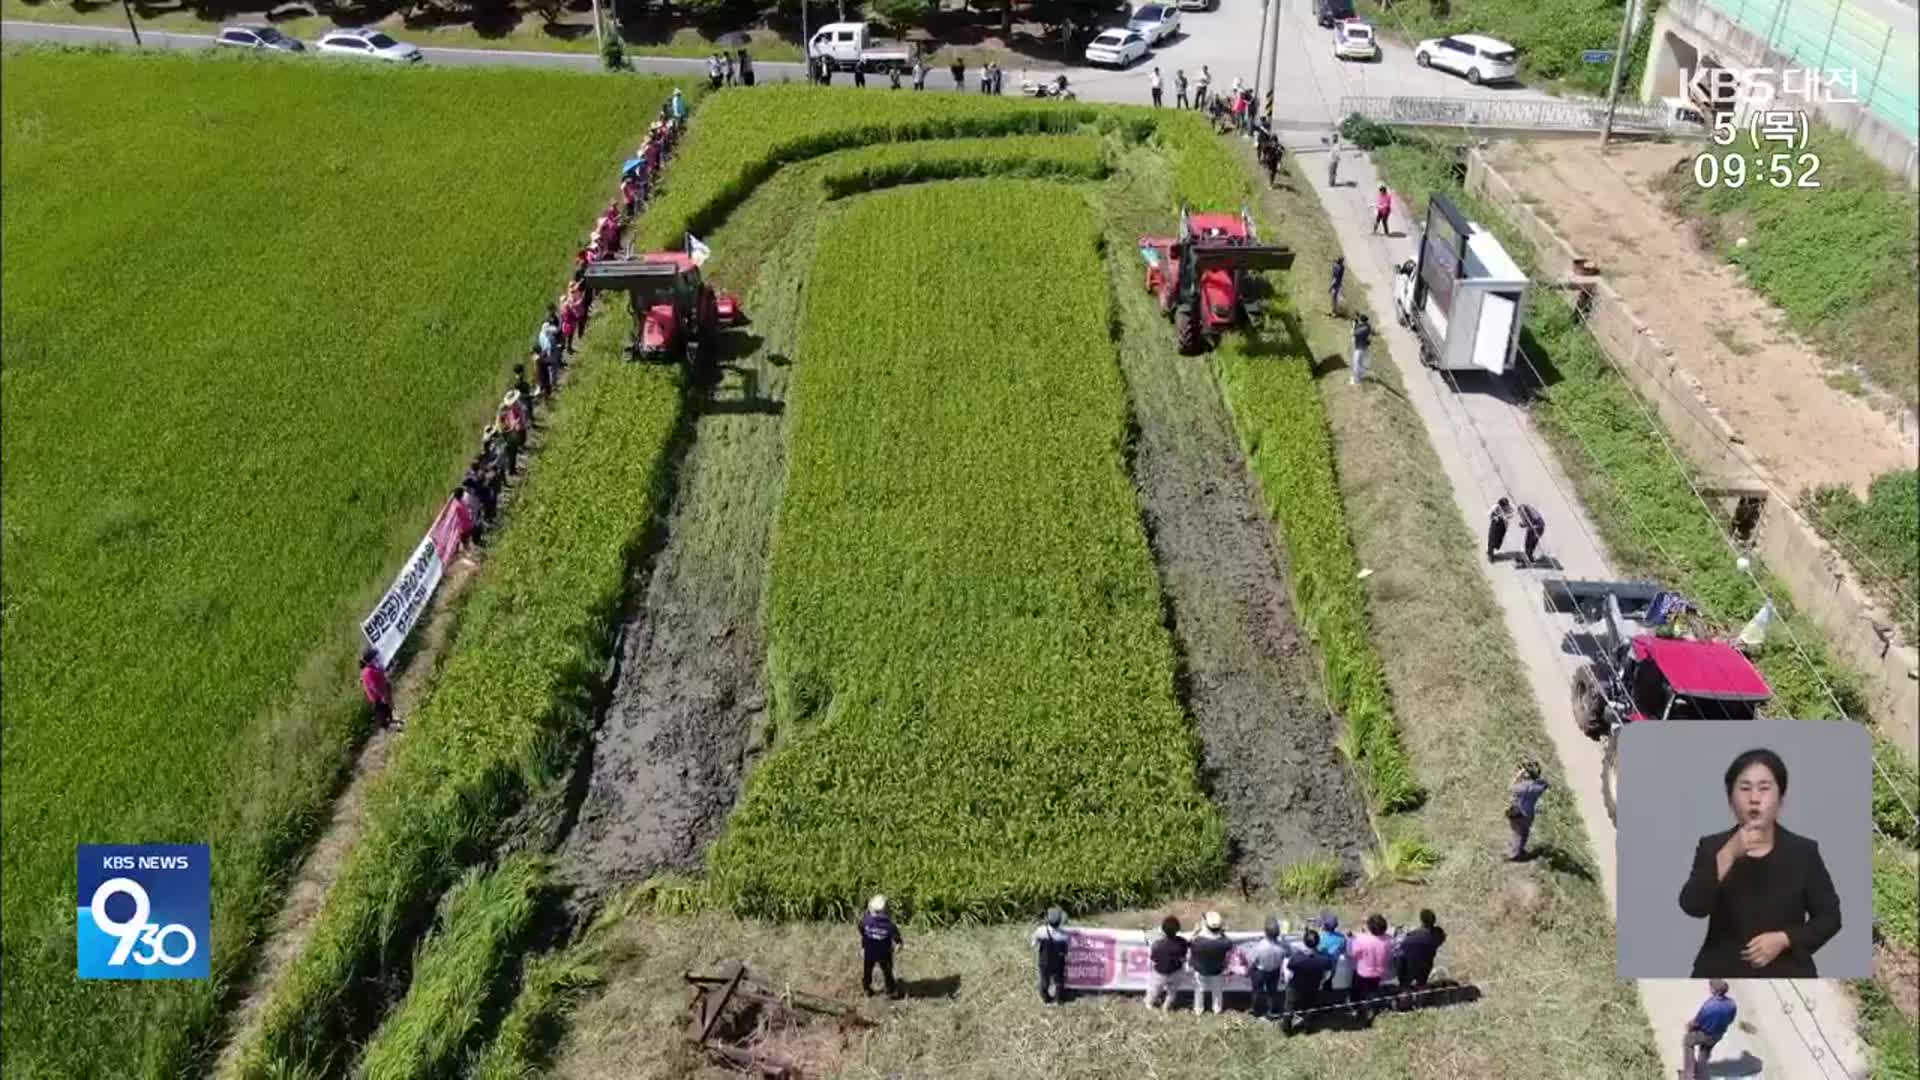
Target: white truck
1464,297
844,43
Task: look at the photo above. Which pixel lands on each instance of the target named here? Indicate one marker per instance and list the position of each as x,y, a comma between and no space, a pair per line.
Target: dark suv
1332,11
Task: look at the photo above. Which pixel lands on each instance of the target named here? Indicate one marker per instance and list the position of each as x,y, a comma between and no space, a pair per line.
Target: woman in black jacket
1764,891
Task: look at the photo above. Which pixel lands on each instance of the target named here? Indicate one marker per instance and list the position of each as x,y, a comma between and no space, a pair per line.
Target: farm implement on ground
1200,276
676,314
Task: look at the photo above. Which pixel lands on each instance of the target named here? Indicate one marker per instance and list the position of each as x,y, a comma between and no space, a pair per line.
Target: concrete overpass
1876,40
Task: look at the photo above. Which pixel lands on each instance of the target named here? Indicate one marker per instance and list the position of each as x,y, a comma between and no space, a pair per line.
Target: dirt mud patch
1773,387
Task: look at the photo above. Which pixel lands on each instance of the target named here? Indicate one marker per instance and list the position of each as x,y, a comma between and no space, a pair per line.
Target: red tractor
1200,277
1636,674
675,314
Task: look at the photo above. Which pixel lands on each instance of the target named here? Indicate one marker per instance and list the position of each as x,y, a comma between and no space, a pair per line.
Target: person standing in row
919,73
859,71
1523,802
893,78
713,71
1418,949
1208,955
1382,213
959,68
1497,519
1169,954
1532,526
1370,949
1333,161
1180,88
1153,85
1337,287
1266,961
1050,952
1200,87
1362,341
1307,973
999,78
726,68
746,68
879,937
373,682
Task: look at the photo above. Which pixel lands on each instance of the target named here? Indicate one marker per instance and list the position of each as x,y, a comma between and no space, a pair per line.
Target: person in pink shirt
373,680
1382,210
1370,950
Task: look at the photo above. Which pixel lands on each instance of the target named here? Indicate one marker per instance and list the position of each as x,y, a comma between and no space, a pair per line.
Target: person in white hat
878,938
1050,942
1208,957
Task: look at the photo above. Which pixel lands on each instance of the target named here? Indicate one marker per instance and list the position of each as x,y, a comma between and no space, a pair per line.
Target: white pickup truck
841,44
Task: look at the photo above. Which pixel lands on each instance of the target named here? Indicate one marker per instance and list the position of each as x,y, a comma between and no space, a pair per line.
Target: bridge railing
1860,56
1543,115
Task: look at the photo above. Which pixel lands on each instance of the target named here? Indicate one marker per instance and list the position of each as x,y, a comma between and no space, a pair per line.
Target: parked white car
1198,5
370,44
256,37
1155,22
1479,58
1117,48
1353,40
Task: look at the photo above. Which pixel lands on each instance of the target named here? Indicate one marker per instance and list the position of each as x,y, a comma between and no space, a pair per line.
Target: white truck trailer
1464,297
843,44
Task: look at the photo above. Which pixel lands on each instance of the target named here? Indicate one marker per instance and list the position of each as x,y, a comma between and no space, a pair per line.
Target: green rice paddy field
255,315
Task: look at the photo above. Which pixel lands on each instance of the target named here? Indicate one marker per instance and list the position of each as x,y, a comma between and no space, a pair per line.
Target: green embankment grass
457,978
250,338
512,695
893,164
976,713
1842,262
1880,537
551,987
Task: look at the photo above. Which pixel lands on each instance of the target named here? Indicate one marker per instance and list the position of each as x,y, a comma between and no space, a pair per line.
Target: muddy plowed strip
1250,679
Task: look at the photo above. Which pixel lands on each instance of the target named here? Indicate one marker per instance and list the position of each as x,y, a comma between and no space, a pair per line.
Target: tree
903,15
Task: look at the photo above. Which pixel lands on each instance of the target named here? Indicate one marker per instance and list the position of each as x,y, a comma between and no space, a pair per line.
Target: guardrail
1536,115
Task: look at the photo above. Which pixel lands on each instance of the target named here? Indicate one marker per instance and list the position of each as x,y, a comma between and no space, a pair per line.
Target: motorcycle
1055,89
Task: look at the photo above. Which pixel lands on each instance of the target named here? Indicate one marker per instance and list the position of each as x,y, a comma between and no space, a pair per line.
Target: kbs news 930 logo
145,911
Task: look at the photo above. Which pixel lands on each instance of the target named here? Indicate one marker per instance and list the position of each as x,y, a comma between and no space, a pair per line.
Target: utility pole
1260,57
126,6
1273,60
1619,59
599,46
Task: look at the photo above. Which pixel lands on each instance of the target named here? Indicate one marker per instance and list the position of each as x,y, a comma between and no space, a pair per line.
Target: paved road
1225,40
1489,448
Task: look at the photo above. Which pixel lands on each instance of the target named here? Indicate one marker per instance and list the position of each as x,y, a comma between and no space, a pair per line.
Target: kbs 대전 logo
145,911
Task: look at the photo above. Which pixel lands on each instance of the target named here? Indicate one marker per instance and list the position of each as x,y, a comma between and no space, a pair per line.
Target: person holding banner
1050,951
1208,955
1169,959
1266,960
373,680
1307,972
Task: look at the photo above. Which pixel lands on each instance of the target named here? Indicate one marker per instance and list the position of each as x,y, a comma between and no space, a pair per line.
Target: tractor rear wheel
1589,705
1610,776
1186,329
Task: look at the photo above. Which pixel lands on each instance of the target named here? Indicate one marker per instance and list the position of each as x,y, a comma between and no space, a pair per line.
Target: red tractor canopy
675,313
1200,277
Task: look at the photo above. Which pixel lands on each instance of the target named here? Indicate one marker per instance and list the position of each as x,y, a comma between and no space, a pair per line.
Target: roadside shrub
1310,880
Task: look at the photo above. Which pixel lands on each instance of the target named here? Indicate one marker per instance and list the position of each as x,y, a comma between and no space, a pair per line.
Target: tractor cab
1200,276
1678,679
1641,667
675,312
